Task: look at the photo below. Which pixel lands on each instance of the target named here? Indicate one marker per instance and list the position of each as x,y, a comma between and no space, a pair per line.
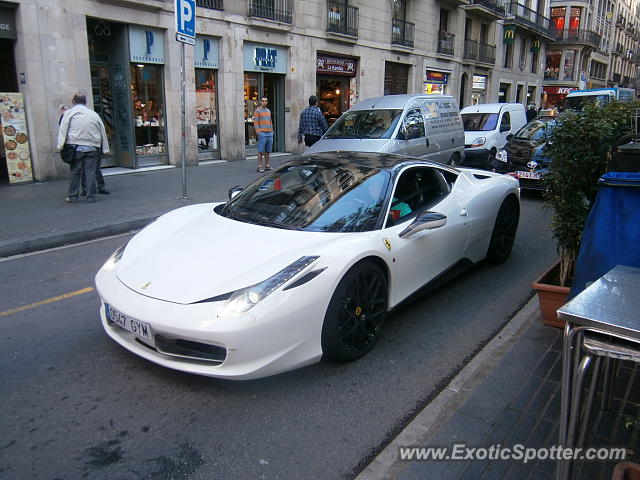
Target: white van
427,126
486,127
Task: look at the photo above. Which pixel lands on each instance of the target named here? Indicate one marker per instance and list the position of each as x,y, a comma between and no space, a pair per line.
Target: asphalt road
76,405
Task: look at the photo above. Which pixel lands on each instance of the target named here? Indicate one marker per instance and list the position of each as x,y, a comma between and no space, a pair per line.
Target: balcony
446,43
470,51
275,10
528,19
342,19
489,9
402,33
211,4
574,36
487,54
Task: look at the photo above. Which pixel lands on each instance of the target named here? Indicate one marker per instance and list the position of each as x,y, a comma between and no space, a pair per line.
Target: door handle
463,212
427,142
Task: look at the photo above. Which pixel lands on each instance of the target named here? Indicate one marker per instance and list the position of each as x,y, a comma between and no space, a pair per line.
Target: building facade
124,55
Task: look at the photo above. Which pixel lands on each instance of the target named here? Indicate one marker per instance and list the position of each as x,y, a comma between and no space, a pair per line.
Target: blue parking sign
186,18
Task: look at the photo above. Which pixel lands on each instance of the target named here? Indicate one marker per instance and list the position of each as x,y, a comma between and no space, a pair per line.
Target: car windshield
365,124
535,130
479,122
314,196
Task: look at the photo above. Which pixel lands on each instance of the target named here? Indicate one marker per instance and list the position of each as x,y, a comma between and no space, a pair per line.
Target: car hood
192,254
470,136
348,145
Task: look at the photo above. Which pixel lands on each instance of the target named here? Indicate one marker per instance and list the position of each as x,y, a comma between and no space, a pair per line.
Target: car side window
416,189
414,124
505,123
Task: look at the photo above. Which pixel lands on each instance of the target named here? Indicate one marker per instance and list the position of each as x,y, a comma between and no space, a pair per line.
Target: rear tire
356,313
504,231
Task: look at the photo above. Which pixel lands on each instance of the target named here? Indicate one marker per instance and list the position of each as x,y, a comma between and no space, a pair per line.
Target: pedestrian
264,128
531,112
312,123
82,129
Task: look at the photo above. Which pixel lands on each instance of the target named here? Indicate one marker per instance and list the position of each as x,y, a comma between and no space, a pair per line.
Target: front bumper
281,333
476,157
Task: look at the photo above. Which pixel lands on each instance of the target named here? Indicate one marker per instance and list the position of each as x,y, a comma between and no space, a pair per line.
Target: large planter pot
550,296
626,471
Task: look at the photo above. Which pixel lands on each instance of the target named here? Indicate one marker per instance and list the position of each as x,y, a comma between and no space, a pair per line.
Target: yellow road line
44,302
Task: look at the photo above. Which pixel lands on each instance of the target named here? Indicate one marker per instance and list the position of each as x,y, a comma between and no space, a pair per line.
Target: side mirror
414,132
233,191
424,221
505,128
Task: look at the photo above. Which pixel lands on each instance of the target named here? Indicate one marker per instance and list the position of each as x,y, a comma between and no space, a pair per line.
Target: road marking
46,301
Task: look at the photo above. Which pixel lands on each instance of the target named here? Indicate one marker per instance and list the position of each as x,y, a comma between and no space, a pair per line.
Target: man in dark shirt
312,123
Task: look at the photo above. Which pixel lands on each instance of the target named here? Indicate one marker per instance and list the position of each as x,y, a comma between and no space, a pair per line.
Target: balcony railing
494,5
342,18
470,50
402,33
212,4
446,42
276,10
487,53
528,17
577,36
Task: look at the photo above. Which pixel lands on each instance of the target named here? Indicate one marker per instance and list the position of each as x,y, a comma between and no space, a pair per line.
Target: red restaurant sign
558,90
336,65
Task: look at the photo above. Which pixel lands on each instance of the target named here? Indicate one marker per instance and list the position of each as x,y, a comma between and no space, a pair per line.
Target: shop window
334,96
552,66
569,63
251,102
206,110
148,109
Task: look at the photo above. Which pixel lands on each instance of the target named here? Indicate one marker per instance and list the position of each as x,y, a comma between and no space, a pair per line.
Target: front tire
504,231
356,313
455,161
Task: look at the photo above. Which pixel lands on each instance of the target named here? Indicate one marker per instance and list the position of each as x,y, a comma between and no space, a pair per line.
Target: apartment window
557,17
522,61
552,67
444,20
569,65
535,58
508,56
574,18
400,9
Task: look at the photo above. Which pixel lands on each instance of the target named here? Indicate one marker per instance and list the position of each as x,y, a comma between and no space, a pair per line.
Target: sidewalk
36,217
509,394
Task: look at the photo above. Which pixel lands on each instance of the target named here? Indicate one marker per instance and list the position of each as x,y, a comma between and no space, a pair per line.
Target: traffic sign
185,19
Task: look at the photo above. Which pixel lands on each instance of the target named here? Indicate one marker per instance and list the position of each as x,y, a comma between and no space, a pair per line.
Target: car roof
491,107
381,161
392,101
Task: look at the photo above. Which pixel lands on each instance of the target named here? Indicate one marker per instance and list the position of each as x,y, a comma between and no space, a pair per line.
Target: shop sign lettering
558,90
265,58
345,66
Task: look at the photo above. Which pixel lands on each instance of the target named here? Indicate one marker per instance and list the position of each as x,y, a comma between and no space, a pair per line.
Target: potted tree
579,146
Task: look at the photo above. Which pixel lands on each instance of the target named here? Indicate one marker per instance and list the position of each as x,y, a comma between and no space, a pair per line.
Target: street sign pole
184,126
185,11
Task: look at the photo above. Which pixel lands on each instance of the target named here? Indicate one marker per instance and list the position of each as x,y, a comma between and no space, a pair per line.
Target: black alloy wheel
504,231
356,313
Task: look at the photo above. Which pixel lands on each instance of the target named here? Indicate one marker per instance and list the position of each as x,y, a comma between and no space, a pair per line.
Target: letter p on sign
186,17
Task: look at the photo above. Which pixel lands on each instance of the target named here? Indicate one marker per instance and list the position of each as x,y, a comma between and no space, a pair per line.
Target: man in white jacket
82,128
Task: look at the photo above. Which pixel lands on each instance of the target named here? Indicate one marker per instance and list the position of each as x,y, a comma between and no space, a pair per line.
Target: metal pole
184,129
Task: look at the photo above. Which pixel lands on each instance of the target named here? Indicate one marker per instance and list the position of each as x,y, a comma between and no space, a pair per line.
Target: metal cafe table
610,306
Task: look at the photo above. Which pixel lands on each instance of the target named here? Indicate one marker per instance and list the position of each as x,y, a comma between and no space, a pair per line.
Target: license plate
138,328
529,175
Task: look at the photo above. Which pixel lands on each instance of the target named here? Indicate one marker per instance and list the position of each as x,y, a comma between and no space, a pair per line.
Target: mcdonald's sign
509,34
535,45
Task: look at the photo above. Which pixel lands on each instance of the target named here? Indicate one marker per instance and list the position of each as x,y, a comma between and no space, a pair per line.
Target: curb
387,465
22,246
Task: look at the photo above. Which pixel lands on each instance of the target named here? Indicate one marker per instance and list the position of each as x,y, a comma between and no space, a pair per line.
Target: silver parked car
427,126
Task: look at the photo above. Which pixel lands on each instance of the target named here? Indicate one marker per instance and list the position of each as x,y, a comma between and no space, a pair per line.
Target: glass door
103,105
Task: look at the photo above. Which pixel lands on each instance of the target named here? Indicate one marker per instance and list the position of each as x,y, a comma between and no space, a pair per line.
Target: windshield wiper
270,223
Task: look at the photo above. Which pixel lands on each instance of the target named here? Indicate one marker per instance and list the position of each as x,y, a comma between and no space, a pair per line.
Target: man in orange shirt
264,128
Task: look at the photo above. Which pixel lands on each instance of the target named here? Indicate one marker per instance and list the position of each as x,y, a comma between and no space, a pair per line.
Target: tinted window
479,122
365,124
535,130
320,197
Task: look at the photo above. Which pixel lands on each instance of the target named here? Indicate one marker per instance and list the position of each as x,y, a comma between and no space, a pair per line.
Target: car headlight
245,299
502,156
478,142
115,257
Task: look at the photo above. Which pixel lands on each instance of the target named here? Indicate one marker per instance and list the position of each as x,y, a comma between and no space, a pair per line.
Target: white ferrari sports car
304,263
